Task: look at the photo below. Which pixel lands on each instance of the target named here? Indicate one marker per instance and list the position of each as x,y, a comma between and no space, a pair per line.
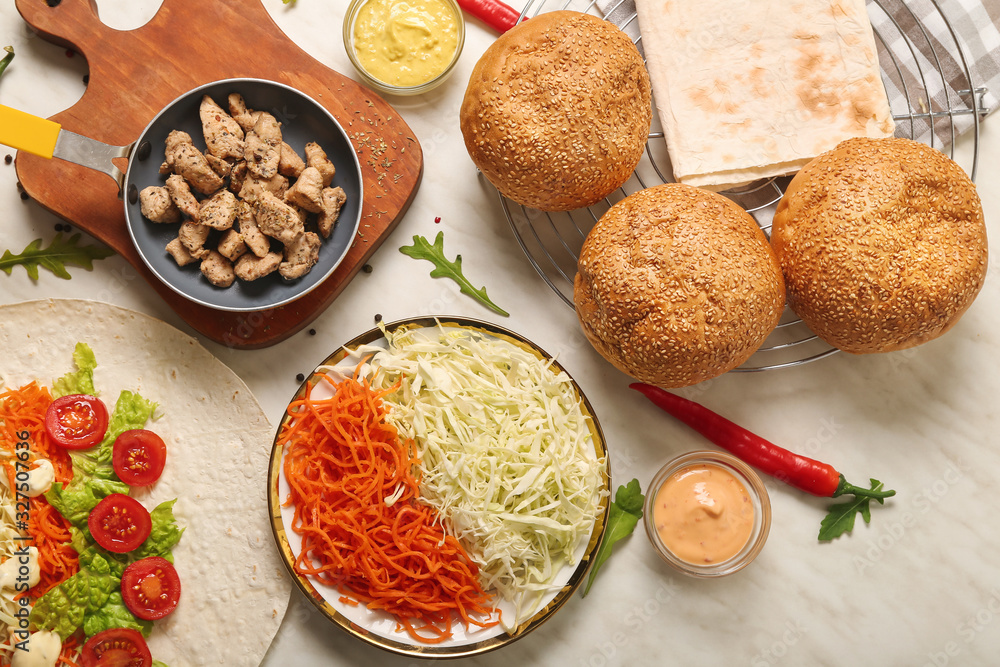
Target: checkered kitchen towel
940,60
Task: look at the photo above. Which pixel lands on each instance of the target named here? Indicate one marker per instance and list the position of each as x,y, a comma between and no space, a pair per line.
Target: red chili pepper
805,474
493,13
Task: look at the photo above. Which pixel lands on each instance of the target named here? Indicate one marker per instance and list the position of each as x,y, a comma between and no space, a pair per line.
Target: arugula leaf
423,249
623,516
80,381
840,520
7,58
55,257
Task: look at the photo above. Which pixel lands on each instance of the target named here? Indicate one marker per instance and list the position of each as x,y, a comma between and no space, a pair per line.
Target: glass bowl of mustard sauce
707,514
404,47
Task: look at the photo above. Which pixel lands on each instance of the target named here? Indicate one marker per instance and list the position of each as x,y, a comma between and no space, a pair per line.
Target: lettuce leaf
64,608
93,476
114,614
164,534
76,500
80,381
91,598
131,411
90,552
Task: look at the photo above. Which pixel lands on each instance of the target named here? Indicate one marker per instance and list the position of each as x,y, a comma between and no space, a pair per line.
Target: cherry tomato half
76,421
116,647
138,457
151,588
119,523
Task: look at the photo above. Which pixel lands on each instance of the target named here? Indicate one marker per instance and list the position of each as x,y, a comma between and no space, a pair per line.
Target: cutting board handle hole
125,17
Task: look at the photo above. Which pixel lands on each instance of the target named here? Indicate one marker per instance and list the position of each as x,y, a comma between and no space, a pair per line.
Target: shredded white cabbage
507,453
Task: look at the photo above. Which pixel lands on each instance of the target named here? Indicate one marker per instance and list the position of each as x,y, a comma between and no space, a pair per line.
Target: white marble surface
919,586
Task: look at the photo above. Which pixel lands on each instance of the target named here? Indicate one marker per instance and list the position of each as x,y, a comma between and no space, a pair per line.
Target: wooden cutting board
133,74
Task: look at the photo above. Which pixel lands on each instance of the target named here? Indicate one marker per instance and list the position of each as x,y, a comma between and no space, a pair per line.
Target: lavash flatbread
234,586
750,90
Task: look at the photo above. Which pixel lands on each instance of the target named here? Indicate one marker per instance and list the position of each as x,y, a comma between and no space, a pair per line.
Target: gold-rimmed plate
379,628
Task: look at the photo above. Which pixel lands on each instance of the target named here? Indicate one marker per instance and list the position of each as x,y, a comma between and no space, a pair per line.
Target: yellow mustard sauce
703,514
405,42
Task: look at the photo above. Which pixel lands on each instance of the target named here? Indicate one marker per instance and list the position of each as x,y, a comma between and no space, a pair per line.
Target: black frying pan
302,120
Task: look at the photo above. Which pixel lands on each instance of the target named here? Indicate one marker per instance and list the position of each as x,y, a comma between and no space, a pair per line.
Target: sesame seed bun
882,244
677,285
557,111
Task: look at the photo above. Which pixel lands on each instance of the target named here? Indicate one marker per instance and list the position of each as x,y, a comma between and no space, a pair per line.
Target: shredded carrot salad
70,651
23,409
364,529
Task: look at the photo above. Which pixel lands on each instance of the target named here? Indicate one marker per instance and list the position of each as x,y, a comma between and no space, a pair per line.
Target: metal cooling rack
930,105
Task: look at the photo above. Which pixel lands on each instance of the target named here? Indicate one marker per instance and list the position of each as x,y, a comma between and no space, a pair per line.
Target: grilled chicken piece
193,236
251,267
219,211
186,160
240,113
259,244
217,269
300,256
237,176
232,246
223,135
290,164
253,186
316,157
277,219
156,205
180,253
263,147
333,201
222,167
180,194
307,191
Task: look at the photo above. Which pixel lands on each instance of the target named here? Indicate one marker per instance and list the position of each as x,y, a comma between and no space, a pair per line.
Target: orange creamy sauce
703,514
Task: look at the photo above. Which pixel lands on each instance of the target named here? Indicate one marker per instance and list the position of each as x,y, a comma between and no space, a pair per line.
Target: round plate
378,628
302,120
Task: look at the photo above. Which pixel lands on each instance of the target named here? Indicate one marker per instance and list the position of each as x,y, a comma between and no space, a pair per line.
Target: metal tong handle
47,139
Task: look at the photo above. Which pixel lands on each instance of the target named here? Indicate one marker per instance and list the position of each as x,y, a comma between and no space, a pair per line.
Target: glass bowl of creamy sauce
707,513
404,47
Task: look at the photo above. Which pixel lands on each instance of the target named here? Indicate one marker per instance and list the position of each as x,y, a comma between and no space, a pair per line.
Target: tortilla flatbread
747,90
234,586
